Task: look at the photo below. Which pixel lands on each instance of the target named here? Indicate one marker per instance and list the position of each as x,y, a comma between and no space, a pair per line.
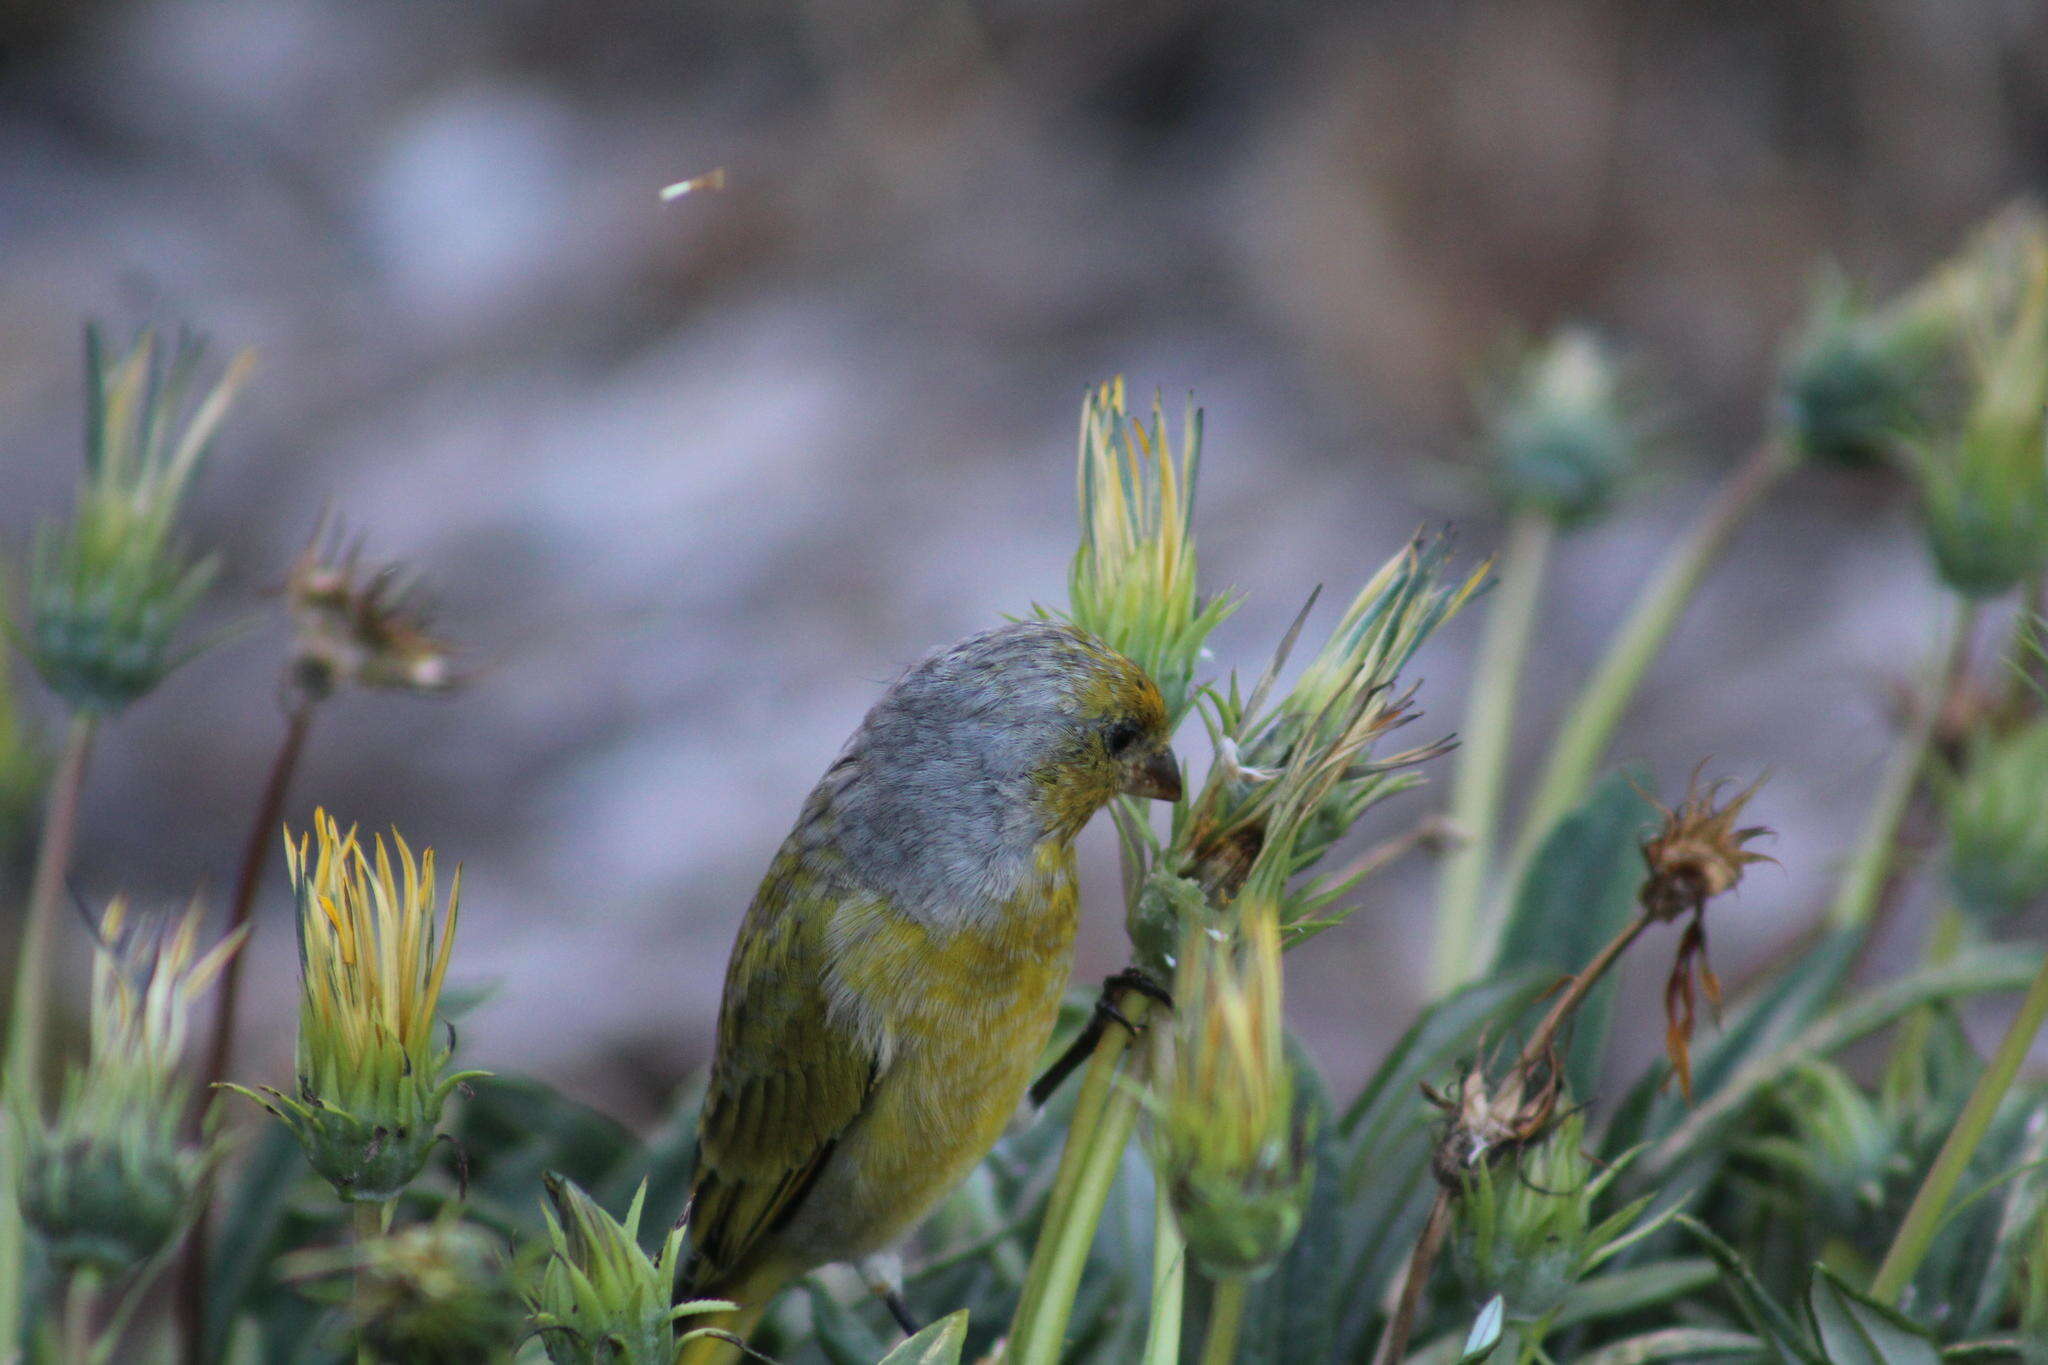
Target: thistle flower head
1228,1140
599,1299
1558,434
110,1182
1984,485
1524,1225
1998,842
373,1064
1132,584
109,588
1293,775
433,1293
360,628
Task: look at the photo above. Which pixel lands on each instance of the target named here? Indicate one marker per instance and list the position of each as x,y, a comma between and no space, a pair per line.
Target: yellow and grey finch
902,964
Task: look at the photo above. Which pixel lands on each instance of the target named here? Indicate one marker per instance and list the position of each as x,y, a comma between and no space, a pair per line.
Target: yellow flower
1132,584
373,953
1228,1141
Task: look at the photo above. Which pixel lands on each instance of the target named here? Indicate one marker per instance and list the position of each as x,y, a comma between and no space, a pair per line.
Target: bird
901,967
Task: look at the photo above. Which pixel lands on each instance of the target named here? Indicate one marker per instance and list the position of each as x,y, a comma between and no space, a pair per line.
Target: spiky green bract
1998,840
110,1181
1556,428
599,1299
1524,1225
373,1062
108,589
1984,485
1132,584
1294,774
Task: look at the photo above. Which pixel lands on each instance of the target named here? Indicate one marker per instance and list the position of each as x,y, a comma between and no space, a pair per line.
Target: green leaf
1978,972
247,1238
1630,1291
1677,1343
513,1128
938,1344
1486,1330
1855,1329
1579,891
1766,1317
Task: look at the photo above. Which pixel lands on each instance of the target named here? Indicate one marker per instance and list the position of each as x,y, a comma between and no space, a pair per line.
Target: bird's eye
1121,736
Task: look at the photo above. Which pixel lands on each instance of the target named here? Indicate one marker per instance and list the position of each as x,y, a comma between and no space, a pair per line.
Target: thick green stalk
1483,752
1870,866
368,1221
1582,740
1104,1116
32,967
1169,1283
1226,1320
20,1087
1923,1219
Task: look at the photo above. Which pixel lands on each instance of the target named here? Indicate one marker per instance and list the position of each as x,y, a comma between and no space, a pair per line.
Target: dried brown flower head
1697,854
362,629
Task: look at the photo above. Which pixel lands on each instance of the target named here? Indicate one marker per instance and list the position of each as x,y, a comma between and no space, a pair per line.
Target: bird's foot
1106,1013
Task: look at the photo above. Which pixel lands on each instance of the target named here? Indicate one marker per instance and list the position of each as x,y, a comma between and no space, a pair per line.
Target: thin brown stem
1394,1341
25,1058
191,1299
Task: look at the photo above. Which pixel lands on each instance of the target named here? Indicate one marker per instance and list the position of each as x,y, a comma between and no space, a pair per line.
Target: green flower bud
373,1067
1524,1218
108,590
1855,380
1998,841
1228,1141
1557,434
1523,1223
111,1181
599,1299
1984,486
436,1293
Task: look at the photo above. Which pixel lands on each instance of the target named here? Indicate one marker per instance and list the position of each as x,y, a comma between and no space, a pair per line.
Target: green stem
1485,741
79,1297
1582,739
1104,1116
1870,866
368,1220
1169,1283
20,1087
32,966
1923,1219
1226,1320
1906,1075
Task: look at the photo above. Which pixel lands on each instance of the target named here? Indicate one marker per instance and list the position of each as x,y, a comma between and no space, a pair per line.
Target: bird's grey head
982,752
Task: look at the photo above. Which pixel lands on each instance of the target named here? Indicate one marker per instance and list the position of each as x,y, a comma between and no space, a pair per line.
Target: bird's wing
787,1080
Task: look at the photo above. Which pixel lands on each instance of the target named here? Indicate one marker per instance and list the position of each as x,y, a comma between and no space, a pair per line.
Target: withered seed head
1698,853
365,630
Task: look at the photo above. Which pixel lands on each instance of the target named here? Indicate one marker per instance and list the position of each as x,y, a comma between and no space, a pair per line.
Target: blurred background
692,481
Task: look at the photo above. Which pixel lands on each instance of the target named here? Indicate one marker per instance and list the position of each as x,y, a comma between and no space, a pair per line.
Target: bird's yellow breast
966,1010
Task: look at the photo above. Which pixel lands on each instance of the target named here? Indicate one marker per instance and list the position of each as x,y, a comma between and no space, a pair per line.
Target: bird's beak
1157,777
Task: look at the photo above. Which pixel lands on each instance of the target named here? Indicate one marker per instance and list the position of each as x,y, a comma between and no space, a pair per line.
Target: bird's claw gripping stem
1106,1012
